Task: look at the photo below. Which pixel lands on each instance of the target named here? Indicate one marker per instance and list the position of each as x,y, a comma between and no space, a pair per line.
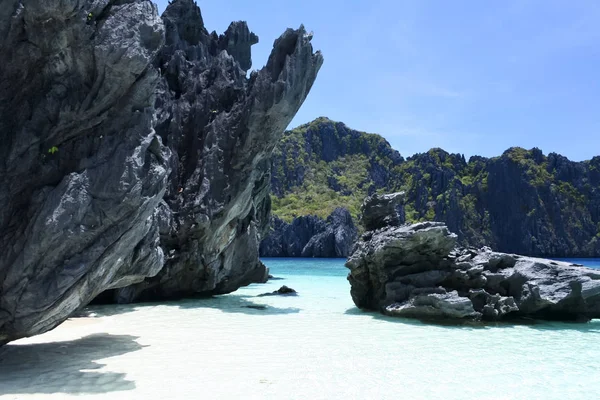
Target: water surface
313,346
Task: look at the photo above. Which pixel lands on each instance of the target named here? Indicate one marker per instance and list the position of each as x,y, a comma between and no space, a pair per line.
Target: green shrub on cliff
502,201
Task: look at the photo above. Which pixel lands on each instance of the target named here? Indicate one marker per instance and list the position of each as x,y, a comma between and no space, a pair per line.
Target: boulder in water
417,271
282,291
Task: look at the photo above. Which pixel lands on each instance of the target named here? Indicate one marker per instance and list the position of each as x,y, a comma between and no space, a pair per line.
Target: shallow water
588,262
313,346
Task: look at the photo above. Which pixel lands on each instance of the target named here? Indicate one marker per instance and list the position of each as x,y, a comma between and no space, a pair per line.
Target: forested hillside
521,201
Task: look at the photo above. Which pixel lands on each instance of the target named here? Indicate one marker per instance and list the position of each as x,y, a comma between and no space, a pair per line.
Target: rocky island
417,271
522,201
135,152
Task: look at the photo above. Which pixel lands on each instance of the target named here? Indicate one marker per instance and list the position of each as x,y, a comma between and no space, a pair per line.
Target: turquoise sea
316,345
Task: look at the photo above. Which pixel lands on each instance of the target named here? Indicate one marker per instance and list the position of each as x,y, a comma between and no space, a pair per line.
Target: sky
471,77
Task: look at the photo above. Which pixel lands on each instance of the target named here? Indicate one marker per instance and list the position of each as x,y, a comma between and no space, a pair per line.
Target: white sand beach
313,346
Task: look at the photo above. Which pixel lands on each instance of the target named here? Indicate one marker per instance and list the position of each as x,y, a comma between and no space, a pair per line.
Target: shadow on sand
233,303
590,327
65,367
230,303
107,310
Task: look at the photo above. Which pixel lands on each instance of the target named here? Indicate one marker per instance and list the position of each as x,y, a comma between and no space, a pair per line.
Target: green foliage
343,182
412,215
467,204
316,197
52,150
568,191
467,180
537,173
365,163
430,215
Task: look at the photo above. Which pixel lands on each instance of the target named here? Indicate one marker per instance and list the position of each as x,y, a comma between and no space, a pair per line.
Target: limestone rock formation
416,271
337,240
221,128
522,201
310,236
384,210
134,153
82,170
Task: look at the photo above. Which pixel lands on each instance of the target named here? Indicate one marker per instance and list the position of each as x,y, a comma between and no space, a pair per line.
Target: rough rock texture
338,238
416,271
81,168
521,202
310,236
384,210
222,128
133,147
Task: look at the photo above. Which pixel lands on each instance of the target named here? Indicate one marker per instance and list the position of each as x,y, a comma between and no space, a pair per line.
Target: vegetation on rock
522,201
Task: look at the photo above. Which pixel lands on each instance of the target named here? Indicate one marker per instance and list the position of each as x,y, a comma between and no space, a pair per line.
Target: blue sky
473,77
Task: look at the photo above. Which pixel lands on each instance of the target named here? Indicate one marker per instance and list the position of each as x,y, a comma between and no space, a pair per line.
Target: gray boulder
416,271
135,154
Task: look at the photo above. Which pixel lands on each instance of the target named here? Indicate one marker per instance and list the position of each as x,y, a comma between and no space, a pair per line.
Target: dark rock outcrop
282,291
135,154
338,238
384,210
288,240
310,236
82,170
222,128
415,271
256,306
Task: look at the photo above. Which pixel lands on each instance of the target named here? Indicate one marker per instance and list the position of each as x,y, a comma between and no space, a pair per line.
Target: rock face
416,271
134,154
382,211
222,128
310,236
521,202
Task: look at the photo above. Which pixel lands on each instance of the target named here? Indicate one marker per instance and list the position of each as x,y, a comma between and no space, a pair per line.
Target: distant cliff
311,236
522,201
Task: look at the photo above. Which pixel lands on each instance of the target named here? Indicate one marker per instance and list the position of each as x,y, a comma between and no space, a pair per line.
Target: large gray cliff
134,154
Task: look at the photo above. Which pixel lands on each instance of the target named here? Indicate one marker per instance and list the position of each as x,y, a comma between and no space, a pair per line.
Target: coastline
316,345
